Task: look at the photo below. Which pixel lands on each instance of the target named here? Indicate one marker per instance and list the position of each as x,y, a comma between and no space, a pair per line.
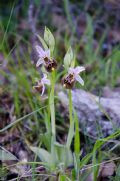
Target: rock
107,169
98,116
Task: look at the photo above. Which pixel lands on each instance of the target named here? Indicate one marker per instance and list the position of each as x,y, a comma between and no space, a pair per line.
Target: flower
73,76
68,81
40,87
44,58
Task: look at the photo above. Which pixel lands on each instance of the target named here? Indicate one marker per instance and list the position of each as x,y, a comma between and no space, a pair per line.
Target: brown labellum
68,81
50,64
38,88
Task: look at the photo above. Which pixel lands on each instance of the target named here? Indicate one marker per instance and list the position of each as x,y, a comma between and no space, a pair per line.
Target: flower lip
38,87
50,65
68,81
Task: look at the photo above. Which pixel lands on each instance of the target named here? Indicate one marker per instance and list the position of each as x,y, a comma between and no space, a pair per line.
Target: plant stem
52,113
71,128
52,106
70,106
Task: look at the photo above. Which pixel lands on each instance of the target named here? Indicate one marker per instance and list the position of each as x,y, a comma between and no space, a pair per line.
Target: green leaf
64,155
20,119
49,39
44,155
85,160
88,48
47,121
89,29
68,58
46,139
70,134
5,155
62,177
73,63
97,147
118,171
42,42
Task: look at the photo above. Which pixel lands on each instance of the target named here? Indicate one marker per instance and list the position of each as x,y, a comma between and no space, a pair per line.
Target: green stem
52,106
71,129
70,106
52,113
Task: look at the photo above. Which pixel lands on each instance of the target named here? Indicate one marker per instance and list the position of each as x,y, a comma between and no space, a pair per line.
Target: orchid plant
58,155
